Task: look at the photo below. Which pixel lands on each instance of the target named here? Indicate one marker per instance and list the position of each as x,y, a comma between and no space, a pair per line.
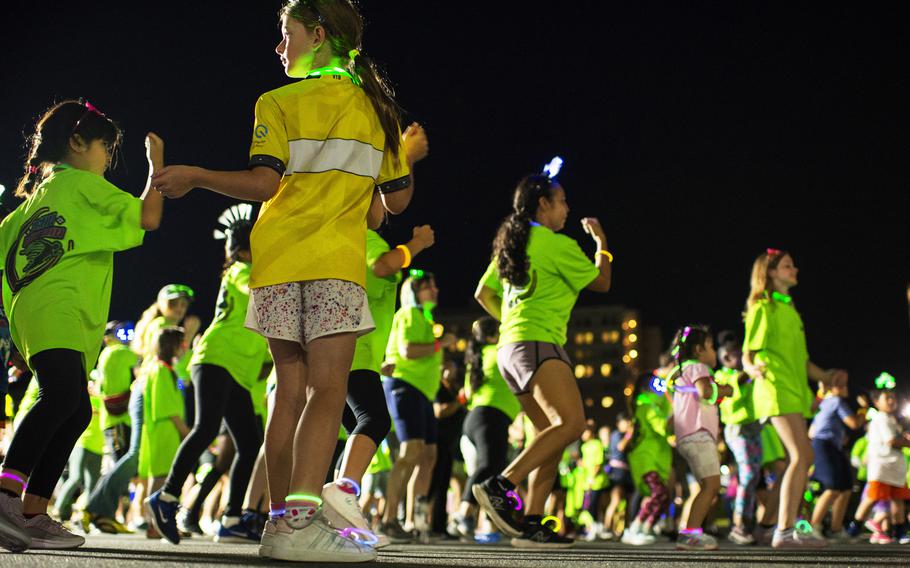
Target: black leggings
218,396
366,412
488,429
45,439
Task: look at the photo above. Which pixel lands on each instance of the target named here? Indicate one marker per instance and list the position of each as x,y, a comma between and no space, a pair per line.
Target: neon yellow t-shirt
227,343
592,460
424,373
370,349
540,310
58,247
651,450
324,137
116,368
775,331
92,439
739,408
160,440
494,392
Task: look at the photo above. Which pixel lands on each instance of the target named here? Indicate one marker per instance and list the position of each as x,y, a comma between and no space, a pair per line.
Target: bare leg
706,492
793,433
408,458
839,510
288,399
358,453
822,506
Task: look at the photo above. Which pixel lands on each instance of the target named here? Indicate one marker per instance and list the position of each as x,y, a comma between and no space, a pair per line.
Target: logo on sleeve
39,243
261,132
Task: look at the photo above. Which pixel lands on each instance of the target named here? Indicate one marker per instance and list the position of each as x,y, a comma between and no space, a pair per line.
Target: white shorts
700,452
304,311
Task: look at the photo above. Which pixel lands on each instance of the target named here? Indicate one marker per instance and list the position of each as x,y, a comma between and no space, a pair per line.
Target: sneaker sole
13,538
306,555
484,500
695,548
42,544
235,540
265,550
522,543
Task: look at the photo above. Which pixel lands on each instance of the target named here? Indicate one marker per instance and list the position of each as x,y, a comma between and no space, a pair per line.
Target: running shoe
13,535
739,536
163,509
342,511
395,533
695,541
540,535
108,525
48,534
796,538
188,523
238,530
501,504
317,541
880,538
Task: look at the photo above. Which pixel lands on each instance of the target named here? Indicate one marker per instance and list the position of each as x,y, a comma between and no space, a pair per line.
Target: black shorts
411,412
622,478
518,362
832,466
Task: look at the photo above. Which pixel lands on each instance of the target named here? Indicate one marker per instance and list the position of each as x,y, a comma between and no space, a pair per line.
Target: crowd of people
322,415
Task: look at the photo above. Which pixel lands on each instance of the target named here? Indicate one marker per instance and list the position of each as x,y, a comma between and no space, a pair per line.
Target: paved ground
133,551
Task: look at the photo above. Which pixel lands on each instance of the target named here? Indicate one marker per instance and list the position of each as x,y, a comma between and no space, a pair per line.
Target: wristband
407,255
607,254
713,399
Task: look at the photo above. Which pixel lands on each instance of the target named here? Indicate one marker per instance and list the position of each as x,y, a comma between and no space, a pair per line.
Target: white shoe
422,515
637,538
315,542
343,511
48,534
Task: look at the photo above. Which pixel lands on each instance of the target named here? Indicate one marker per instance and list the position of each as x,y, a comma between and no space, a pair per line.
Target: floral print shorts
304,311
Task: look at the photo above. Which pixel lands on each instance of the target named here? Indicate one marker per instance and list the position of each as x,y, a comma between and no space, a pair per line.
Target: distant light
906,411
462,345
589,338
725,469
633,354
438,330
589,402
633,324
606,369
626,359
627,391
579,371
2,189
606,401
579,339
589,371
633,338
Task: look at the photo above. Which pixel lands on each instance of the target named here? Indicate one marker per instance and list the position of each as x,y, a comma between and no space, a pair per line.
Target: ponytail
510,247
482,329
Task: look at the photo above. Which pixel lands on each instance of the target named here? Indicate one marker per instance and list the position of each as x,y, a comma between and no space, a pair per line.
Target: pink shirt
689,414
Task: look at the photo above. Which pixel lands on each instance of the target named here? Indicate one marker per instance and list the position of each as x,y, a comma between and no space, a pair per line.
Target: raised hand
592,226
423,237
416,145
154,150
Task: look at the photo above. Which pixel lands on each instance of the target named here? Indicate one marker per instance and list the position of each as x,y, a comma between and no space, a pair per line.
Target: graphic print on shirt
517,294
39,241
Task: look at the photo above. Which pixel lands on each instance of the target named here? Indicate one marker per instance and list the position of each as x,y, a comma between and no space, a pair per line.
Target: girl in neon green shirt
58,247
775,355
531,285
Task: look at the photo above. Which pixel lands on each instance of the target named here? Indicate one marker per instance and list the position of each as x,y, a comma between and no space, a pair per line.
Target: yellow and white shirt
324,137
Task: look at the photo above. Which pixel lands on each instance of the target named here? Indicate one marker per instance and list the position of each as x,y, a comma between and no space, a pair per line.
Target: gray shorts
304,311
519,361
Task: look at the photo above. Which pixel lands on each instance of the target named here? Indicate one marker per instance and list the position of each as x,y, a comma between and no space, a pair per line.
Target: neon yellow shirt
540,310
370,349
116,368
775,331
92,439
324,137
161,401
227,343
739,408
58,247
494,392
423,373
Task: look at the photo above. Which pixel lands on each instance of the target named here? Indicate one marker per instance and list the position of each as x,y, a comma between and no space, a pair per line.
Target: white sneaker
271,528
637,538
315,542
343,511
840,537
13,535
48,534
422,515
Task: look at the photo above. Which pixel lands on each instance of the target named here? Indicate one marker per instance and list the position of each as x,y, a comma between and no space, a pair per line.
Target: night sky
699,138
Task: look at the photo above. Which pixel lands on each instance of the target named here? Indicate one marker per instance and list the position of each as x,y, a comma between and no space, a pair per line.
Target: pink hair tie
32,170
773,252
93,108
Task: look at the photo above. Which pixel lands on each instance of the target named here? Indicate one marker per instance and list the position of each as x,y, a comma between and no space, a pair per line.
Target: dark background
698,135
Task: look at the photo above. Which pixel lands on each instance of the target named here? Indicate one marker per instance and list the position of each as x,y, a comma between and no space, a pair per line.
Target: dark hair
727,340
238,239
343,27
168,342
50,142
510,248
623,416
875,394
685,341
482,329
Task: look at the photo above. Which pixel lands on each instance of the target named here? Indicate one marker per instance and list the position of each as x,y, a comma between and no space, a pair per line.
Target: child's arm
416,148
626,439
830,377
152,201
854,421
706,392
393,261
257,184
182,428
489,300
